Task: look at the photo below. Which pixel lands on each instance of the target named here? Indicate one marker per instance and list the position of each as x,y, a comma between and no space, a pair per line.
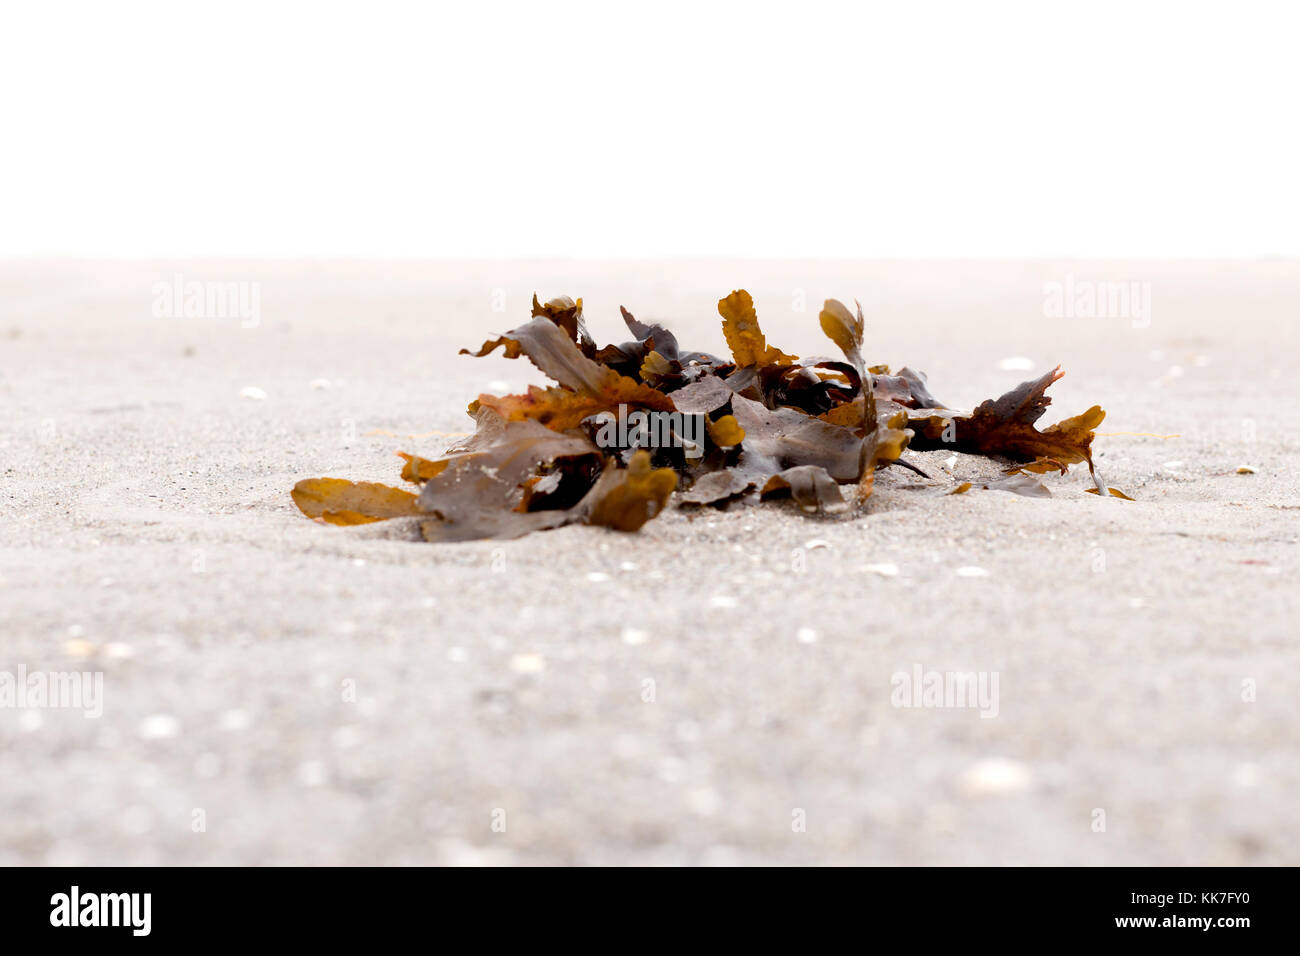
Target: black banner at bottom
335,906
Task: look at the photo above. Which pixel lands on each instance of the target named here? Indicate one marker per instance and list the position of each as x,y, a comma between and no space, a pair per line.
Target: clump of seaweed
627,426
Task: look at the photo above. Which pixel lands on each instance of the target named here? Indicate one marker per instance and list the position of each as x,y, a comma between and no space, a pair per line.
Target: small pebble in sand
627,566
1016,363
118,651
79,648
528,663
457,655
884,570
1245,469
634,637
159,727
806,635
207,765
1173,373
236,720
76,630
135,821
950,462
972,572
1246,775
253,392
597,577
996,776
688,731
312,773
703,801
723,601
816,544
346,737
1172,465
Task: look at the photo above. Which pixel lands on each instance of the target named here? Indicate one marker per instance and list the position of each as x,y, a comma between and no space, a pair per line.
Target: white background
558,128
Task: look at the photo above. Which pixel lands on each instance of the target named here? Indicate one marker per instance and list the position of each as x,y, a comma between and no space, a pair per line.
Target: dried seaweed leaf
740,326
844,329
726,431
1114,493
908,388
562,312
788,438
883,446
566,313
718,487
811,487
814,385
891,438
588,388
655,368
547,346
489,428
884,436
562,409
709,396
673,369
419,470
1016,484
1039,466
848,416
480,493
626,498
1005,426
341,502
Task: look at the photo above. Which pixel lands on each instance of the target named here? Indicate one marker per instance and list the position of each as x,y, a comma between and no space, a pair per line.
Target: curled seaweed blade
562,312
342,502
625,499
811,487
1006,426
588,387
744,337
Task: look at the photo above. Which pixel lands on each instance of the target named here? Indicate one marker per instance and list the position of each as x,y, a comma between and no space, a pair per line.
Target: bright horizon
236,130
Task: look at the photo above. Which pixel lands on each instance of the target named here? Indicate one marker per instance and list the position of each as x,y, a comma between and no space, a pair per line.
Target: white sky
660,128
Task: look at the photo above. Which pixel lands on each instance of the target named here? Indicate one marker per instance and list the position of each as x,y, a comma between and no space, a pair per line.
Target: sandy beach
715,689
